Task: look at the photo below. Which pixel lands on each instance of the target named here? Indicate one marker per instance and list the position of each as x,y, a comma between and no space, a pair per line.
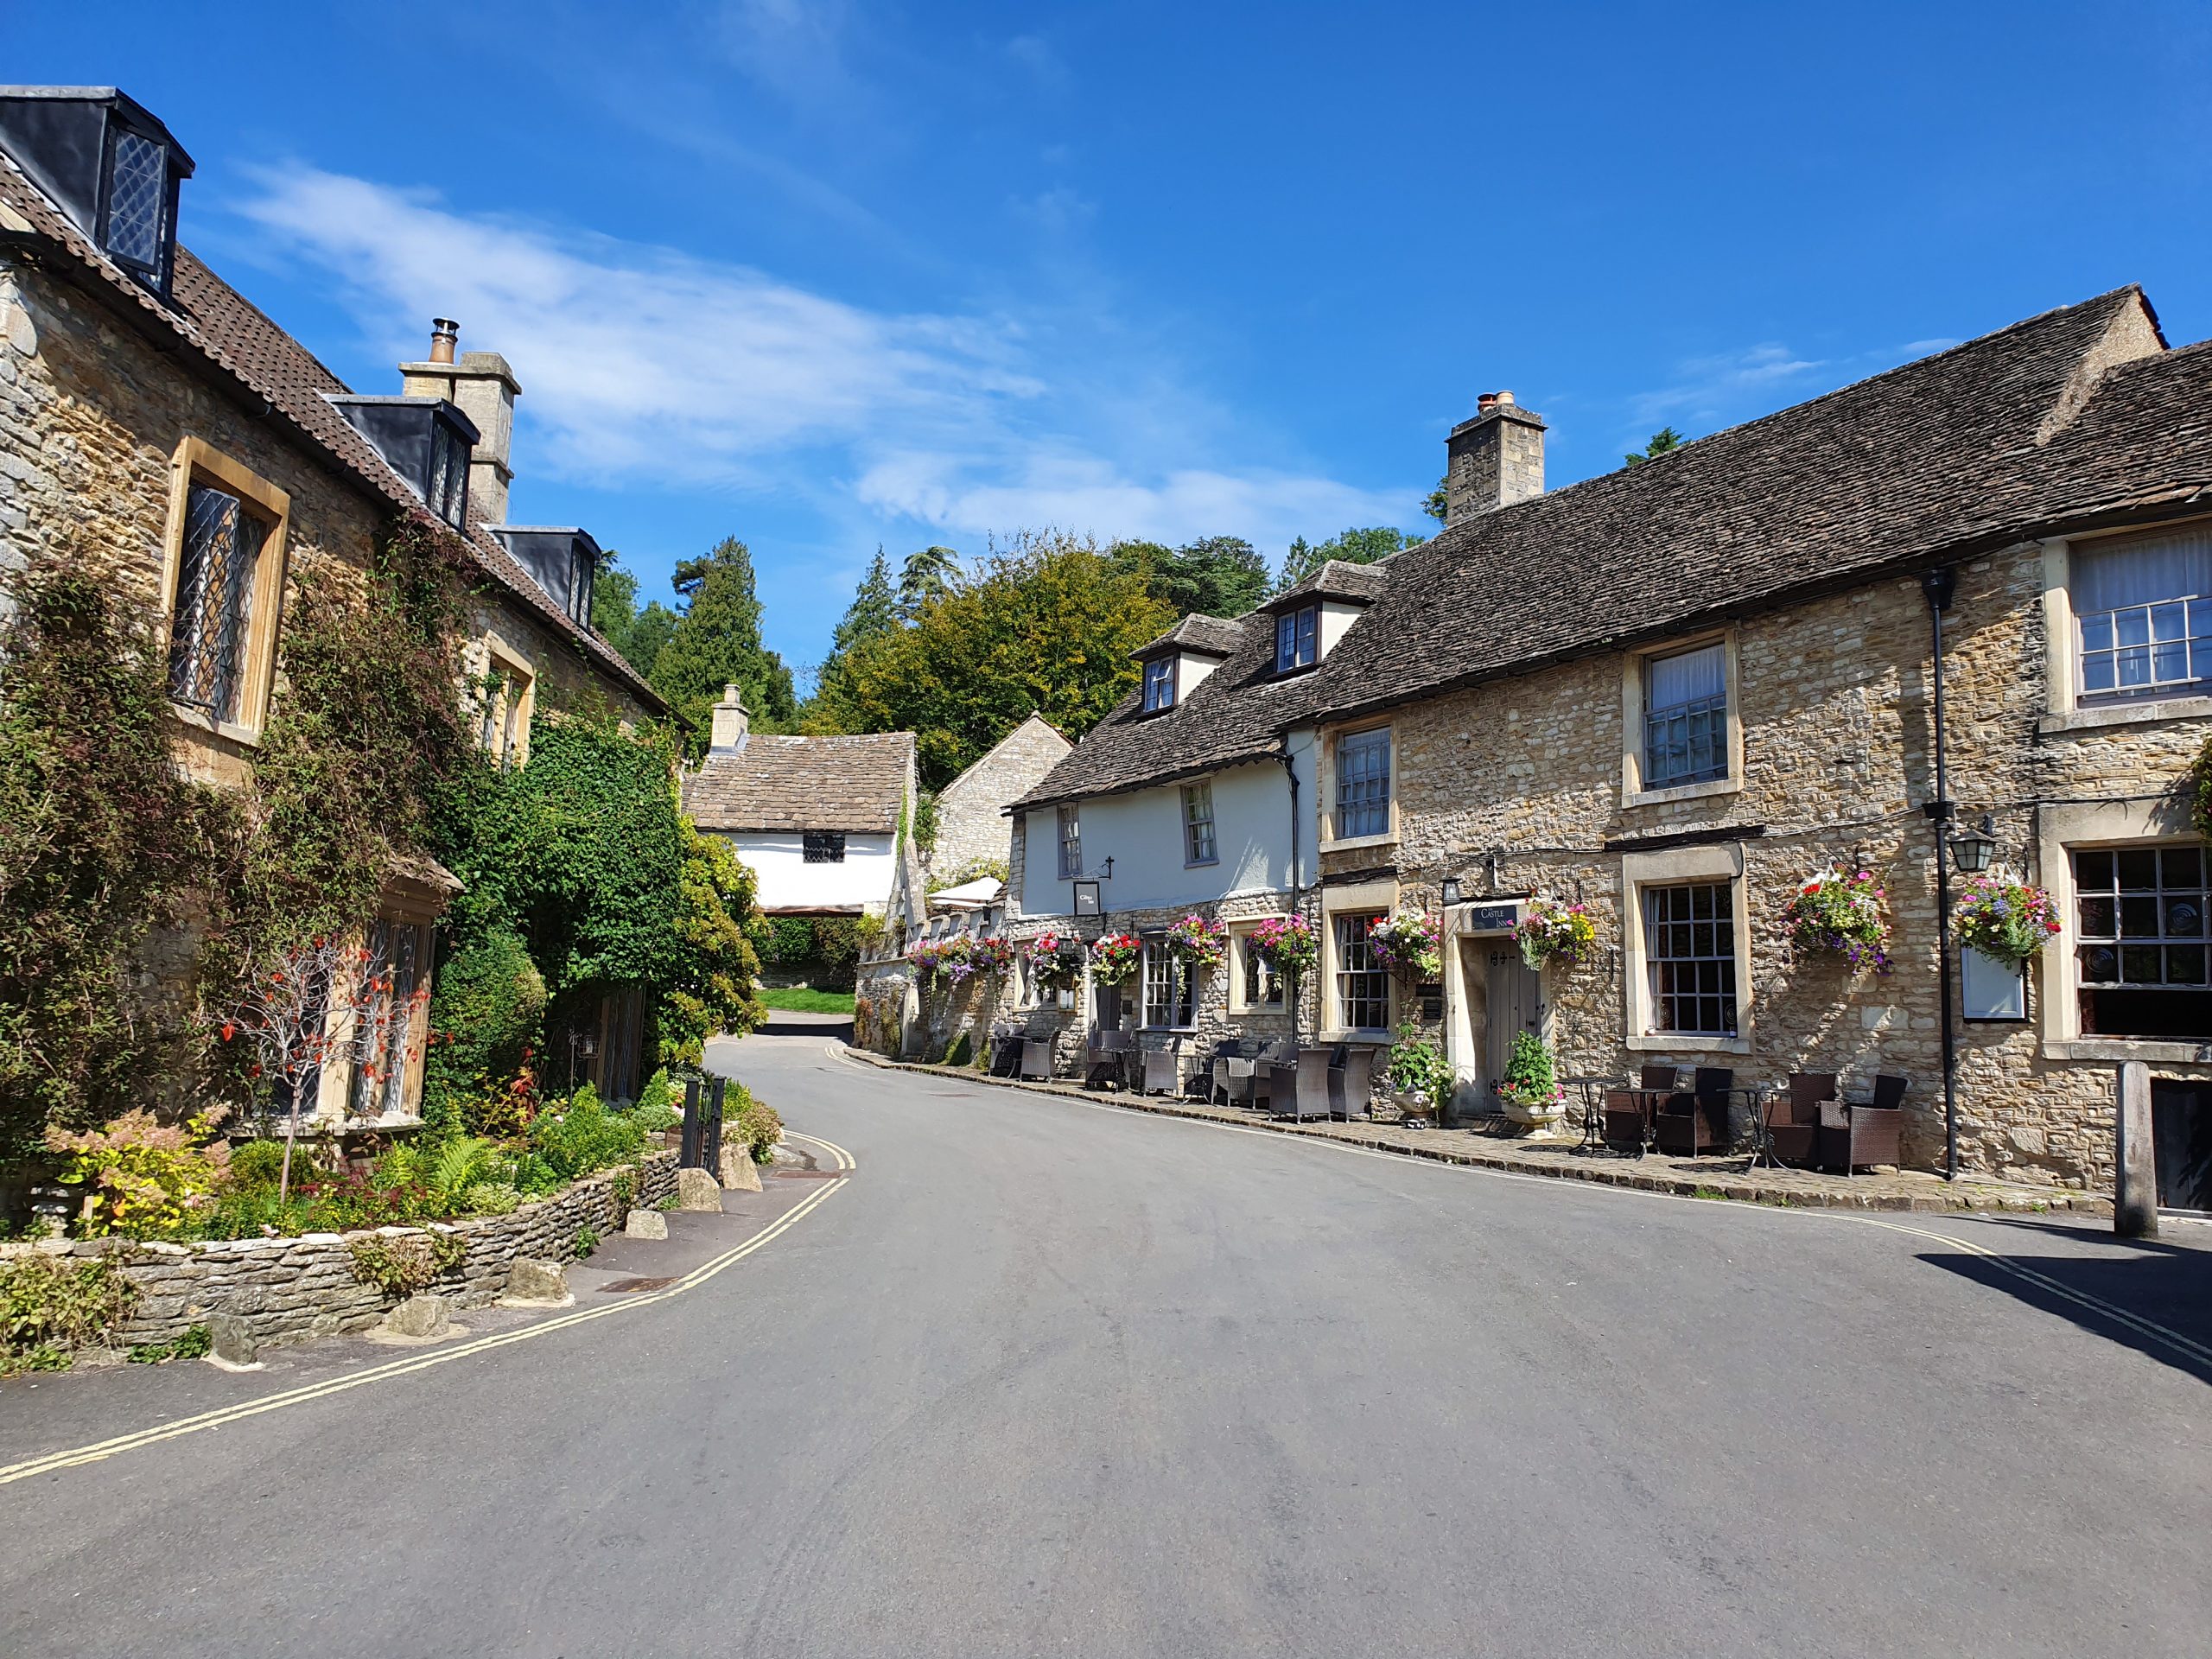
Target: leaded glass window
384,1037
1689,950
136,199
823,847
1198,847
1363,983
1685,718
447,494
2141,941
1363,783
214,595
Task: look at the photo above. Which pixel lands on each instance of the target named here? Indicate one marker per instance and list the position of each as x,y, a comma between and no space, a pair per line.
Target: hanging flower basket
1407,942
935,960
2009,921
1198,943
1055,961
1553,931
1113,957
987,954
1287,945
1843,914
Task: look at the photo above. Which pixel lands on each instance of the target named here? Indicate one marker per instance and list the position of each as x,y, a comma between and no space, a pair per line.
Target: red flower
229,1031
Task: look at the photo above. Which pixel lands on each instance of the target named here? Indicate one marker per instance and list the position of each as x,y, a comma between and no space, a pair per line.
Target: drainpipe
1939,585
1290,775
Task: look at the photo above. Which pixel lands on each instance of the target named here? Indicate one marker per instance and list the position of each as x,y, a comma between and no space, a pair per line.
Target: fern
458,1165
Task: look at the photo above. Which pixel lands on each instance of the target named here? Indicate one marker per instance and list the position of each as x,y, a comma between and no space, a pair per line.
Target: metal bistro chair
1350,1083
1108,1052
1626,1119
1857,1133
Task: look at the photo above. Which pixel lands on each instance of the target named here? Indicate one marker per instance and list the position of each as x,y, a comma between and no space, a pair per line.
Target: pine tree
1660,443
717,643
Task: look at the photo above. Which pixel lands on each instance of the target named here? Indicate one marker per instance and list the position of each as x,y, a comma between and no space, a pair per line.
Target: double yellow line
220,1416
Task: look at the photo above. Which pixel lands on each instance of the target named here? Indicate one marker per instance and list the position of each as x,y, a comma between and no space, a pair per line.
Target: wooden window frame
1166,685
1636,671
1186,796
193,462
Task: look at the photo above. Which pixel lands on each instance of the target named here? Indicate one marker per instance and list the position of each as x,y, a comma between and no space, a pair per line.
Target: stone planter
1538,1121
1414,1109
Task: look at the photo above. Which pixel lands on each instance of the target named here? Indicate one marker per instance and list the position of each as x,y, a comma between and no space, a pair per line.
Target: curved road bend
1046,1378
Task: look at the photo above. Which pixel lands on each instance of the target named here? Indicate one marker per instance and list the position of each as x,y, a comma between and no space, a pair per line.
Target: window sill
1167,1031
2127,1048
1379,1038
1682,792
246,735
1353,843
1668,1042
1201,863
2096,716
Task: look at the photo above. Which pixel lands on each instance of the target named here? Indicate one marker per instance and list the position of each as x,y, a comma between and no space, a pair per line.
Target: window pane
2183,867
2097,918
2185,965
214,591
2140,964
2137,869
2139,918
135,202
2141,571
1363,784
2093,869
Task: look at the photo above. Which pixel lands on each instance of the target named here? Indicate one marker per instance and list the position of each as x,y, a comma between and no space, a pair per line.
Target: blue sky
826,274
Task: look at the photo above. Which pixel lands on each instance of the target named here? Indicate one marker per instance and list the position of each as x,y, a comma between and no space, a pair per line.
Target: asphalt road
1046,1378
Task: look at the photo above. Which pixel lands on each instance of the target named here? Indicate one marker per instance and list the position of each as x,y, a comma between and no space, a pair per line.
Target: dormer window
1159,685
564,561
1297,637
425,440
107,163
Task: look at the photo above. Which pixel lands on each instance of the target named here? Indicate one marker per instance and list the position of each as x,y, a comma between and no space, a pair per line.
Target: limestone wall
972,827
291,1289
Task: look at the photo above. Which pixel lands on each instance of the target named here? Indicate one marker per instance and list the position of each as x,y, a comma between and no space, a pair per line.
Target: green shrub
51,1304
586,1240
195,1342
756,1125
150,1179
585,1137
660,1104
401,1268
260,1163
485,1014
492,1199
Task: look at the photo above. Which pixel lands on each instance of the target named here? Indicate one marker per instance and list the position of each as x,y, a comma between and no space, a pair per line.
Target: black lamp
1451,890
1972,849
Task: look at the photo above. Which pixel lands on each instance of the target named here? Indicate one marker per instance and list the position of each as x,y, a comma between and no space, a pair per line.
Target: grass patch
1709,1192
799,999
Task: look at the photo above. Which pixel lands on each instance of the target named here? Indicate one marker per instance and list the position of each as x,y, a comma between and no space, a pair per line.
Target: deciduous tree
1351,546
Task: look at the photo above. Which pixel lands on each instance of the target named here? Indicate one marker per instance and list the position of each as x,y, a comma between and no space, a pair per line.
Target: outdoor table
1757,1094
1594,1117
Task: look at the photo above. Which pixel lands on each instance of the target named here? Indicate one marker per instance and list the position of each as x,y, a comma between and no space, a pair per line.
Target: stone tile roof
853,784
2001,439
1356,584
236,338
1212,636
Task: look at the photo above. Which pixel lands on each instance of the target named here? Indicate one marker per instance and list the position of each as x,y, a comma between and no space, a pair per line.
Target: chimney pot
444,331
1503,398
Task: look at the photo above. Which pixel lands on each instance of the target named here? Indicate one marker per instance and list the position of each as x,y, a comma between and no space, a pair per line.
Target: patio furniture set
1688,1112
1279,1078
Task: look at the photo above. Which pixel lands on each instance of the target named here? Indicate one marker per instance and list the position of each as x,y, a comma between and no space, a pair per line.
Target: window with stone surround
2141,941
2143,615
1259,986
223,588
1685,717
508,698
1363,985
1198,845
1170,988
1689,954
1071,829
1362,790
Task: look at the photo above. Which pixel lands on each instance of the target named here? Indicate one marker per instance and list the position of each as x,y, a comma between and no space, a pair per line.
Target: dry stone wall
291,1289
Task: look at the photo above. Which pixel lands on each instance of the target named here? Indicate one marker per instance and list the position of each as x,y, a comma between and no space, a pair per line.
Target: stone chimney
484,388
1494,460
732,724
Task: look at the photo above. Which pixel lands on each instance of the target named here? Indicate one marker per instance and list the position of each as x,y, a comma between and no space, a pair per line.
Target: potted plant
1841,913
1529,1093
1419,1077
1113,957
1198,943
2009,921
1408,943
1552,930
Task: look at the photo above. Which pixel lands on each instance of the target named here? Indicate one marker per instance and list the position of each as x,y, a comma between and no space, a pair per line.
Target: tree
1046,625
932,571
874,610
1660,443
1437,502
1351,546
1216,575
637,635
716,642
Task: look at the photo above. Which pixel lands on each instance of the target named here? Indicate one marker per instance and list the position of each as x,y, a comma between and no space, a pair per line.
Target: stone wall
291,1289
972,827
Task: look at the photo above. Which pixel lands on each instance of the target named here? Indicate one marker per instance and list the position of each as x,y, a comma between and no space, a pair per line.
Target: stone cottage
1675,693
156,427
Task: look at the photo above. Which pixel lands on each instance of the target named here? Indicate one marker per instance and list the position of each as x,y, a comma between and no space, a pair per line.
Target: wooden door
1514,1005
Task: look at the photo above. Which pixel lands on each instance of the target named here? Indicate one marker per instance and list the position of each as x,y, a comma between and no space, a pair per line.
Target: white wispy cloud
644,366
1707,388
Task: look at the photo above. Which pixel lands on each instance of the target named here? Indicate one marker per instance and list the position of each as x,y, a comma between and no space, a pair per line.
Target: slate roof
1942,458
237,338
1356,584
1210,636
786,784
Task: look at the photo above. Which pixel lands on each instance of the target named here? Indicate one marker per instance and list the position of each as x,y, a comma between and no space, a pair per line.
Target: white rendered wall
1142,832
788,883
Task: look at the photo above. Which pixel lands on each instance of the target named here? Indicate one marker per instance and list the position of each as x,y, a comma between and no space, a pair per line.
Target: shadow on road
2162,1283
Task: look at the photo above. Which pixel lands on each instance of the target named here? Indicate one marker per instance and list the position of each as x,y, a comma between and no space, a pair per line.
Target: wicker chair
1857,1133
1793,1117
1689,1125
1625,1123
1309,1095
1108,1052
1036,1058
1162,1071
1352,1083
1232,1078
